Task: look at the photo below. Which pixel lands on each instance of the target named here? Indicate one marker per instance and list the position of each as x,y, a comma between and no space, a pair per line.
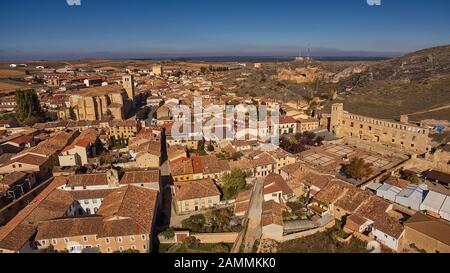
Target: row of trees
211,68
117,143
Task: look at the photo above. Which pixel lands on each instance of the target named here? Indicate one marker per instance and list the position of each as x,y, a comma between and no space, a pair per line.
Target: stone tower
158,70
128,85
337,111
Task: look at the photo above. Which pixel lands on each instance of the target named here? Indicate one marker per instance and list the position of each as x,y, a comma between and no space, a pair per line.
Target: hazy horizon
53,30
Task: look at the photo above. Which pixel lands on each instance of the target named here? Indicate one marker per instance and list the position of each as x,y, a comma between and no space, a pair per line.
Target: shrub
168,234
192,242
221,248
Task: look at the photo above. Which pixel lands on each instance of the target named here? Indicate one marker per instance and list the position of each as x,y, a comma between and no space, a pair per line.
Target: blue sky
150,28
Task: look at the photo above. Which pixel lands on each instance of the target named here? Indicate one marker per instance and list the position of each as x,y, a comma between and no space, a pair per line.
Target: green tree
236,156
221,248
358,169
194,223
144,113
192,242
414,179
50,249
201,146
293,140
233,182
72,114
210,148
28,107
168,234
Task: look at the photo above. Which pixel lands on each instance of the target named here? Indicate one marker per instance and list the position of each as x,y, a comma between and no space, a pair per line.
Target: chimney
404,119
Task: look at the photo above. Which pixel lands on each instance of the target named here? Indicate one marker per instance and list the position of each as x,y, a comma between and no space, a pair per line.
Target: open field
8,86
10,73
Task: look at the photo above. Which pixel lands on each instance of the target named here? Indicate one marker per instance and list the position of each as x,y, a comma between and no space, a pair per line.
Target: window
20,165
107,240
132,238
121,248
119,239
133,247
144,247
108,250
144,237
85,238
94,201
54,241
43,242
96,237
66,240
86,202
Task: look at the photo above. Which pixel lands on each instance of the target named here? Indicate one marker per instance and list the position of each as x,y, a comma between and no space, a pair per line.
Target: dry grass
389,100
8,86
9,73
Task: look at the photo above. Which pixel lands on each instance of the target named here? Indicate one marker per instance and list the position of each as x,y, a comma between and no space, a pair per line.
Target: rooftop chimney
404,119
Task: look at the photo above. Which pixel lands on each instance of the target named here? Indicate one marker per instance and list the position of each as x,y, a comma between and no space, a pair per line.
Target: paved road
254,230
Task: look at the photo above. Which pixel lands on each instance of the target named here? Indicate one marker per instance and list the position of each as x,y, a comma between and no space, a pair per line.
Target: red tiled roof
195,189
197,164
275,183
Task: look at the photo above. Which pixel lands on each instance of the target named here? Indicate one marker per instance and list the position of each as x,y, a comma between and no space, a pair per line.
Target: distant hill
415,82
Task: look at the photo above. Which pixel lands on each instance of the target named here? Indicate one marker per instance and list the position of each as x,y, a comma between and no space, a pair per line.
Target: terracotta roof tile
195,189
275,183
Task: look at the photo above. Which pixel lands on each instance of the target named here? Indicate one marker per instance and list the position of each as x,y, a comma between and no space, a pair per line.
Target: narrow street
166,208
254,230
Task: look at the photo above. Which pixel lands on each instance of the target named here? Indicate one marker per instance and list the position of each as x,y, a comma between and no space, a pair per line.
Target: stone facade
402,135
100,102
